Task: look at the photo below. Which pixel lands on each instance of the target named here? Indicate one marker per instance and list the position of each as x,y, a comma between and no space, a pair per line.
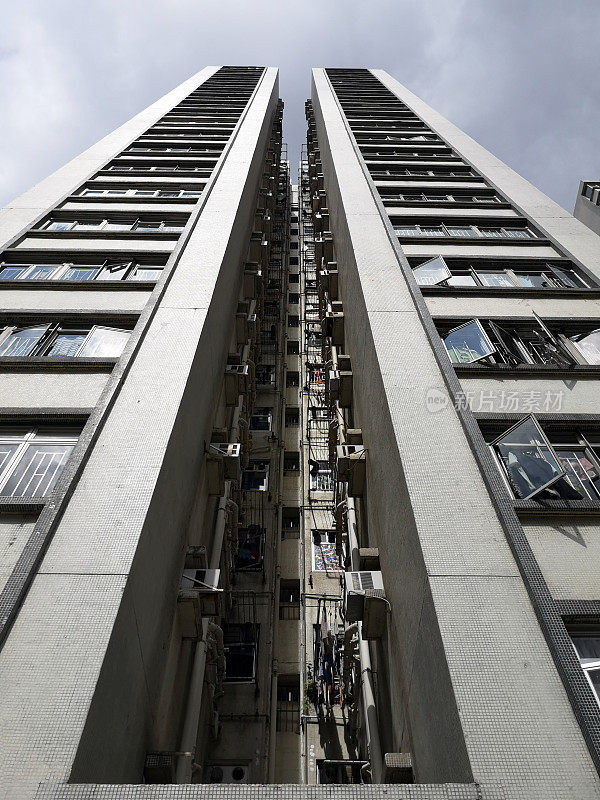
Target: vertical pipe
368,692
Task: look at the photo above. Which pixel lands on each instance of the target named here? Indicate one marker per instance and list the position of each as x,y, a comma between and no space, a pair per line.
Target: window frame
26,440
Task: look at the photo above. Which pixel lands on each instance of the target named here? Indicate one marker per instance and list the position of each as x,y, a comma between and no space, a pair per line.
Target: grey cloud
520,77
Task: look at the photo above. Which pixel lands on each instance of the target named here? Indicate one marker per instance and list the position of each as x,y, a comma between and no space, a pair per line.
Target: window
58,341
265,374
293,298
294,277
288,704
586,642
324,552
240,641
251,548
292,378
80,274
505,275
114,226
321,478
110,270
534,467
256,477
468,343
432,272
261,419
289,599
292,417
291,462
589,346
290,523
463,231
530,342
292,347
31,460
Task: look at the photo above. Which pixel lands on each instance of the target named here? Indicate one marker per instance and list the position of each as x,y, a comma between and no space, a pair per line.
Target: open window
250,554
291,462
432,272
530,463
468,343
256,477
325,557
261,419
240,641
586,641
589,346
290,522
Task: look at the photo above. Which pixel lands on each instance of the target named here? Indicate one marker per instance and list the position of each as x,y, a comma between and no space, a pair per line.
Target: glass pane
114,272
88,226
172,228
59,226
468,343
117,226
117,191
495,279
491,233
80,274
147,226
407,231
527,458
531,279
168,194
587,646
65,345
22,342
462,280
461,231
594,676
518,233
7,451
37,470
432,231
589,347
41,273
580,473
431,272
104,342
12,273
568,278
146,274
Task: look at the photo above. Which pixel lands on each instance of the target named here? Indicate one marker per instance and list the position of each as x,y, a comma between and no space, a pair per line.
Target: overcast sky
520,76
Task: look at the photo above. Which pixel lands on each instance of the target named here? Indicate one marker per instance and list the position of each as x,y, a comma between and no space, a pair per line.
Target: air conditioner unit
252,281
364,600
226,773
334,327
231,455
351,464
199,596
245,321
356,585
237,380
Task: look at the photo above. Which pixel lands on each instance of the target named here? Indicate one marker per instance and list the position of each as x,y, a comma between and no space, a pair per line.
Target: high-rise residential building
587,204
300,484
